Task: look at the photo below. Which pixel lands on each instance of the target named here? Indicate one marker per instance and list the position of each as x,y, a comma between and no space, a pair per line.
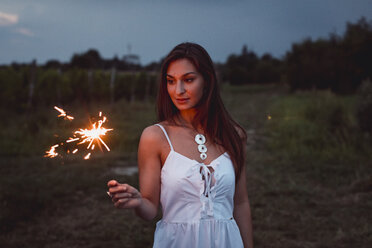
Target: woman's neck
186,118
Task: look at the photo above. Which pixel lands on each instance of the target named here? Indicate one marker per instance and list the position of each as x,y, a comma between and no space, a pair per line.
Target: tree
247,68
337,63
88,60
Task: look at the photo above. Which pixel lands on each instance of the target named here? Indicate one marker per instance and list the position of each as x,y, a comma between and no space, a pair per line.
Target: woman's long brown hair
211,115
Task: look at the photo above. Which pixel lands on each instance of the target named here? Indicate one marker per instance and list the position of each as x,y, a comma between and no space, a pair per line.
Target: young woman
191,162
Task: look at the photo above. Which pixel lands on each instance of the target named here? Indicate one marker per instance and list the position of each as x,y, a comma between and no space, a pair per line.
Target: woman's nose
180,89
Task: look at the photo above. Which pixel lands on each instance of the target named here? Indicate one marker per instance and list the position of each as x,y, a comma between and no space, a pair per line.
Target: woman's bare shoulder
152,133
152,140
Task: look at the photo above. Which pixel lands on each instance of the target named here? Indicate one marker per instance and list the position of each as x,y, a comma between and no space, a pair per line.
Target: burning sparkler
90,136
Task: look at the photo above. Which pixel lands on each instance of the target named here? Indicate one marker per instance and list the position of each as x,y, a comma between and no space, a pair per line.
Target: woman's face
185,84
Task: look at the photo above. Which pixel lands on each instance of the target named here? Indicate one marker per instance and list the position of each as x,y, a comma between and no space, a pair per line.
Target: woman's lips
182,100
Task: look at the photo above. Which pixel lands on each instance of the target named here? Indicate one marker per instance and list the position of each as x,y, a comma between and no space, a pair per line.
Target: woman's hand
124,195
144,204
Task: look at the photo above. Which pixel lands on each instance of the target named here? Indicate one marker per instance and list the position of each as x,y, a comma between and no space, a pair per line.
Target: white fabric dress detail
197,203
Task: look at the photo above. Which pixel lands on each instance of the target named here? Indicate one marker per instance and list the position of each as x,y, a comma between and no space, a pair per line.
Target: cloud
7,19
25,32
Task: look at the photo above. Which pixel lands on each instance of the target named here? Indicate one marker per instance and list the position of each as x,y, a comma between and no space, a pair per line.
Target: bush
364,107
307,125
13,88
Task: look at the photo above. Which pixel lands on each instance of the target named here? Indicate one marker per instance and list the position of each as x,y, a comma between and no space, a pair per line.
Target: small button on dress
197,203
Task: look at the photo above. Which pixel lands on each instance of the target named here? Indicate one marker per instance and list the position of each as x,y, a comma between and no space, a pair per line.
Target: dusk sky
51,29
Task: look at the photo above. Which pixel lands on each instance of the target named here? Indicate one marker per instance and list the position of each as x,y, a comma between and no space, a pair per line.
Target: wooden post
112,84
132,87
147,88
90,84
31,83
59,85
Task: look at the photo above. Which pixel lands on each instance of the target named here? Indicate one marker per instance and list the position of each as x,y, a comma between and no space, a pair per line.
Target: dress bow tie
207,194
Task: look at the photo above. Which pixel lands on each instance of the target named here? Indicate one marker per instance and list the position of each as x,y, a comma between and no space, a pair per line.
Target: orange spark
63,113
52,152
87,156
71,140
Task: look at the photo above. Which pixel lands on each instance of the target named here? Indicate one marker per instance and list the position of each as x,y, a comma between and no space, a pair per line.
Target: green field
309,173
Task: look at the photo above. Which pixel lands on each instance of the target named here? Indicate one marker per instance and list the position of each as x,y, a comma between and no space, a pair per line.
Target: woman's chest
180,173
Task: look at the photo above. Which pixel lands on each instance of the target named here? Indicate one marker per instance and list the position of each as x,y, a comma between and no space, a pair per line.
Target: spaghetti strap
166,135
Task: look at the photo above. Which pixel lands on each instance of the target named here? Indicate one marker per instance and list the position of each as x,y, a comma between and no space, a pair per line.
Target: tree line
339,63
32,86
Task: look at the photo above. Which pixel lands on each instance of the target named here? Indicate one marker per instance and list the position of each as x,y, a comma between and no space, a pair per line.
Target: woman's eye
169,81
189,80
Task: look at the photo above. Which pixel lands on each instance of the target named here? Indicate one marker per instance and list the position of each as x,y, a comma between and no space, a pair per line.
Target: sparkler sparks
91,135
87,156
52,152
84,136
71,140
63,114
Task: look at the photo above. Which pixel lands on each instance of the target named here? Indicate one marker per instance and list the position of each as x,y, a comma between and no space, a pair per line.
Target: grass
303,182
308,174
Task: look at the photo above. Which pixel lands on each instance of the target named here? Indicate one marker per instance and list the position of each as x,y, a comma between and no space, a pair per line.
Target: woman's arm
146,202
149,164
242,211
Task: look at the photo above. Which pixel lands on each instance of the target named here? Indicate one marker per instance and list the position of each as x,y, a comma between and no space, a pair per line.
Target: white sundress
197,204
